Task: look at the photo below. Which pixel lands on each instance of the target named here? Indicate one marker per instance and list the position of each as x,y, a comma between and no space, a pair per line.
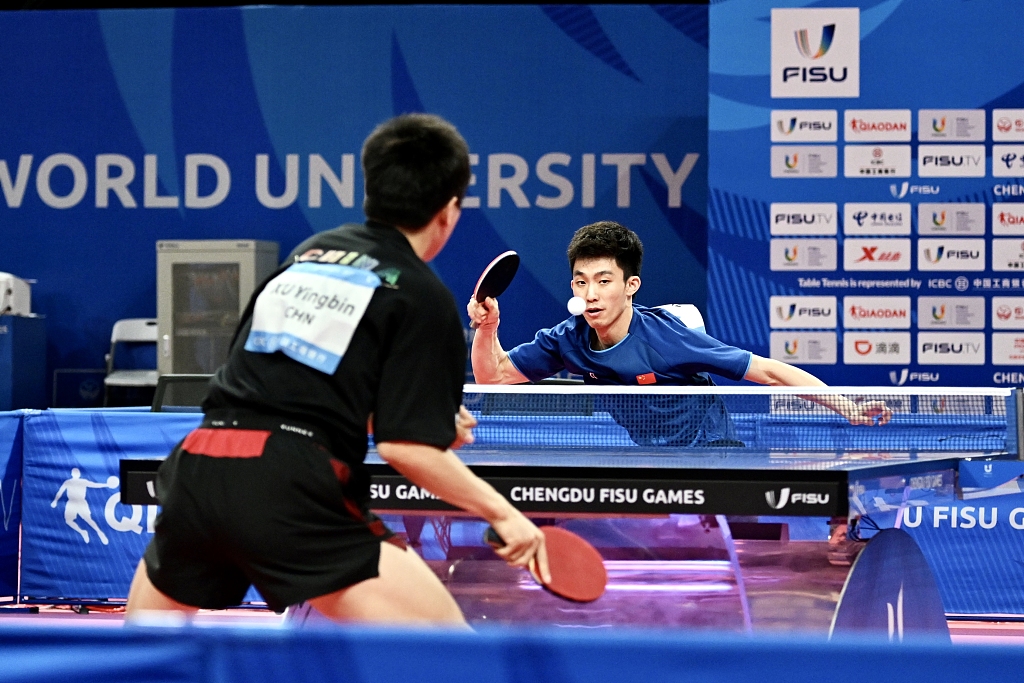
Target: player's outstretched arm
776,373
443,474
491,364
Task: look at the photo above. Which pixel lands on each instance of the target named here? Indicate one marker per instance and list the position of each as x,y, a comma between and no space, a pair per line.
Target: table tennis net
756,418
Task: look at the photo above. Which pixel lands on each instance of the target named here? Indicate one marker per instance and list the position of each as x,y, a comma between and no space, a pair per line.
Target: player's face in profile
601,283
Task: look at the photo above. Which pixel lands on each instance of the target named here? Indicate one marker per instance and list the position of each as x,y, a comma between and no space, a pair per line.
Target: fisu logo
803,43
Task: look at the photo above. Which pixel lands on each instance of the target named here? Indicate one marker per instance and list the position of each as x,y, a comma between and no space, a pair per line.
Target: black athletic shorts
254,499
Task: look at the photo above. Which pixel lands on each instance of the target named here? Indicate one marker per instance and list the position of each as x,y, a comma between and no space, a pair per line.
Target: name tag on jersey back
310,312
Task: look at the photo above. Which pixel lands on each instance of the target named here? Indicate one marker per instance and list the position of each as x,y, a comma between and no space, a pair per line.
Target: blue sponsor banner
125,127
866,210
10,500
78,540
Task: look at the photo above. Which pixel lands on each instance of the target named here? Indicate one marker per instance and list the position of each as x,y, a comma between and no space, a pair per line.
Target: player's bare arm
491,364
443,474
776,373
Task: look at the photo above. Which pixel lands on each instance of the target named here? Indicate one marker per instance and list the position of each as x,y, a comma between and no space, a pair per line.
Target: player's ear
632,285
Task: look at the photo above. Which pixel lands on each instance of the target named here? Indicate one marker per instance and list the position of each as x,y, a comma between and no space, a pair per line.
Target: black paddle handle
493,539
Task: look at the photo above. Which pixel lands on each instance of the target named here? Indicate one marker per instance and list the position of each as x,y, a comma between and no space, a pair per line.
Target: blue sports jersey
659,349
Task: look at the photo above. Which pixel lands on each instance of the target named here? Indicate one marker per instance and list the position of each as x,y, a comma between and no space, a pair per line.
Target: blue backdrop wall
120,128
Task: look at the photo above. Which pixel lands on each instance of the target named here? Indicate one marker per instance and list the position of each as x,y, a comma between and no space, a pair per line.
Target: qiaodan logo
803,43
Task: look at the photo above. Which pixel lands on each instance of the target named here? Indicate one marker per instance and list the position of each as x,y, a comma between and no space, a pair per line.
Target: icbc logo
1004,312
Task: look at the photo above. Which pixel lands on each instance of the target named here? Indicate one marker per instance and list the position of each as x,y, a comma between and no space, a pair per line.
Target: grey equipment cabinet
202,287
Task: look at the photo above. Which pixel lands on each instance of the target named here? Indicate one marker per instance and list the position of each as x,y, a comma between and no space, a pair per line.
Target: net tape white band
753,390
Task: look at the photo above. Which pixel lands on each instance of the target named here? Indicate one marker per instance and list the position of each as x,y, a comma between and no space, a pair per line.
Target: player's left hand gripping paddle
497,276
577,571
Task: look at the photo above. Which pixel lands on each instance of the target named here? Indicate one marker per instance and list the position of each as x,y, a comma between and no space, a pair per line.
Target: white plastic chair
130,330
688,314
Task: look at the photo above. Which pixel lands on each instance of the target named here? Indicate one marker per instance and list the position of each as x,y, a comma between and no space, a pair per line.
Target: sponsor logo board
951,161
1007,313
951,312
804,254
805,125
1007,218
804,348
876,254
861,218
1008,254
804,219
951,348
876,348
815,52
950,219
1007,125
1007,348
959,125
876,161
951,254
876,125
1008,161
787,312
875,312
805,161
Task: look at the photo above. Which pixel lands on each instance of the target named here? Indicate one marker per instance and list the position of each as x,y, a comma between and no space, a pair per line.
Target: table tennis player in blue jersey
616,342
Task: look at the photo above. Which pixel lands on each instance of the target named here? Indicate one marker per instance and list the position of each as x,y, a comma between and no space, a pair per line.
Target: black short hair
413,165
607,239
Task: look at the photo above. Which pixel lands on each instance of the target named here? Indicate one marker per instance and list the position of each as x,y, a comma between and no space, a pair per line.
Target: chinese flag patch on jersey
646,378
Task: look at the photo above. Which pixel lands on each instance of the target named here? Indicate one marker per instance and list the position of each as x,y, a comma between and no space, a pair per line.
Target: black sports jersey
405,362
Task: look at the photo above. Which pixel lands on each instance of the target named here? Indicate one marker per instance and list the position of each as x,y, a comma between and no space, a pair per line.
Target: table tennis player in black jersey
354,329
617,342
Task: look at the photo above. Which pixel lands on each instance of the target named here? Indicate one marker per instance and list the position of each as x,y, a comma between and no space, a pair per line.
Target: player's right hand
483,315
524,544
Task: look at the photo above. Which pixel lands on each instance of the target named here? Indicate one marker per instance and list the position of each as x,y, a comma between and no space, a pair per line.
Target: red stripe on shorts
226,443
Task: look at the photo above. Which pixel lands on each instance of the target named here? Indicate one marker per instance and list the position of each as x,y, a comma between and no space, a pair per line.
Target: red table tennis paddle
497,276
577,570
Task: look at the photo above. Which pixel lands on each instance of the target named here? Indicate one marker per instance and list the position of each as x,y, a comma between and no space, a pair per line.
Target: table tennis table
732,536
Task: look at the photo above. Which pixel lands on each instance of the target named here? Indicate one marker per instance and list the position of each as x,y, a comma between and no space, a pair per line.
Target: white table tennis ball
577,306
